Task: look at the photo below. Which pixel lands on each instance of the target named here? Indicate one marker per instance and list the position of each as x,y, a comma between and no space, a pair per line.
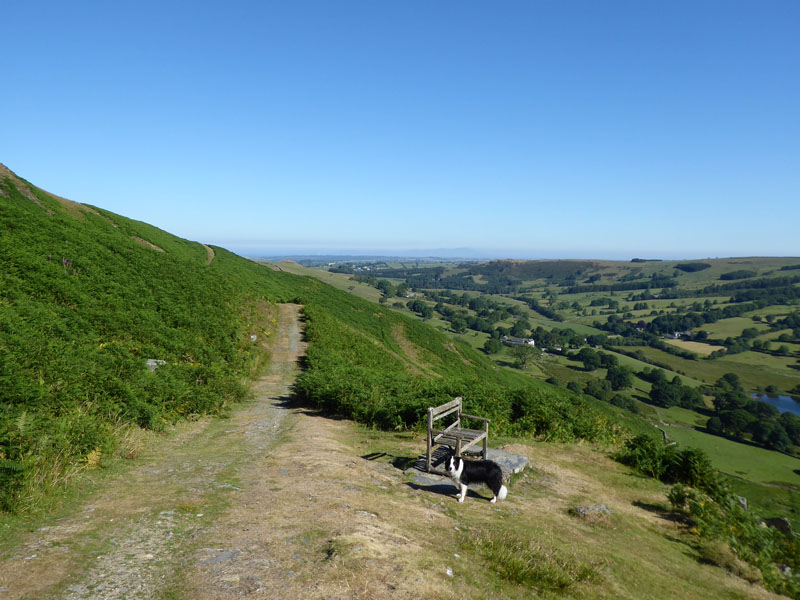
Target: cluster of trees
655,281
386,287
542,310
671,392
740,274
738,415
434,278
692,267
422,308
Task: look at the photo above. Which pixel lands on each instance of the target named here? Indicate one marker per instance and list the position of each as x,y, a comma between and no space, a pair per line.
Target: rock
743,501
785,569
593,513
154,363
601,508
509,463
779,523
449,572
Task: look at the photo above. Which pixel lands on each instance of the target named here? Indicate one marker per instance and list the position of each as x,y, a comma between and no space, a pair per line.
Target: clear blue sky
520,129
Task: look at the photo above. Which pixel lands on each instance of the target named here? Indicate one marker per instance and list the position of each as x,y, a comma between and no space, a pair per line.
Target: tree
386,287
778,440
492,346
728,393
599,388
736,422
791,424
589,358
519,329
574,387
608,360
665,393
459,325
619,377
522,354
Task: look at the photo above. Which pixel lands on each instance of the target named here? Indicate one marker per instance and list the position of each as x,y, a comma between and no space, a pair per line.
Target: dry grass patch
697,347
146,244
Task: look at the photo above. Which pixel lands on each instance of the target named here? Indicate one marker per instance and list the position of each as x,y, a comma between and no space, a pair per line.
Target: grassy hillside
88,297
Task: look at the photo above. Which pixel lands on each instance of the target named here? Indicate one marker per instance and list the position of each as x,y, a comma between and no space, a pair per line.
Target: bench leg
430,443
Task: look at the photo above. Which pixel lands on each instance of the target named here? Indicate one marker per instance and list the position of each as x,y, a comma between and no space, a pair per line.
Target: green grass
756,370
732,327
742,460
676,415
770,501
524,561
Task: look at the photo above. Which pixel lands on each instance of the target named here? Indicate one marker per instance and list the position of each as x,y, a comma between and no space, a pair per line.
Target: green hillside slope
88,297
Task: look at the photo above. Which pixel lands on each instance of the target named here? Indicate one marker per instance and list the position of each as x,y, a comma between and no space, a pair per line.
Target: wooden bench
454,435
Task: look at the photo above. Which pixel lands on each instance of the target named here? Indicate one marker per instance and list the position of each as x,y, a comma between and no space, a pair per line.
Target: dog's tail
501,495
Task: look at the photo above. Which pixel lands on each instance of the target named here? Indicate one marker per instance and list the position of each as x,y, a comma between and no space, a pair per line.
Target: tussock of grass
527,562
717,552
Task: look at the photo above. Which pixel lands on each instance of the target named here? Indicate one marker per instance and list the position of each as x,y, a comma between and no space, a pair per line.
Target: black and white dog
464,472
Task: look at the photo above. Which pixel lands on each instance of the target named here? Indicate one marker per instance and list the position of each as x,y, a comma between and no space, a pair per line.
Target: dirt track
132,537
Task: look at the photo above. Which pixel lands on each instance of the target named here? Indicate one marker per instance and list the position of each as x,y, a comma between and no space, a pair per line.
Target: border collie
464,472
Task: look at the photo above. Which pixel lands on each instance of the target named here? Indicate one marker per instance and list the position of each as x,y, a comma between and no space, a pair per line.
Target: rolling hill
109,325
88,297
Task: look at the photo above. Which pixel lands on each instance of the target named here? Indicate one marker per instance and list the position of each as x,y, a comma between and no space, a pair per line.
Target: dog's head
454,466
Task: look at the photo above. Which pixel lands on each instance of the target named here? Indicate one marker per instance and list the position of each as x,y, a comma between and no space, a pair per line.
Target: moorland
111,329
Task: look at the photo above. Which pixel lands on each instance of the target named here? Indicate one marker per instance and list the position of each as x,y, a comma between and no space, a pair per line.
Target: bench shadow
662,510
292,402
445,489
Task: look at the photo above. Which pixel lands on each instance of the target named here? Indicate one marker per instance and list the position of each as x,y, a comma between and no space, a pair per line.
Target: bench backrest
439,412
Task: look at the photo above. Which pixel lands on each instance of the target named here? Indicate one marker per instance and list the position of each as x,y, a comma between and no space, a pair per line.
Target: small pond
782,403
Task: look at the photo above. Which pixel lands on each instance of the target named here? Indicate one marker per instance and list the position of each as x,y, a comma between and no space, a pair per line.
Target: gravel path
140,529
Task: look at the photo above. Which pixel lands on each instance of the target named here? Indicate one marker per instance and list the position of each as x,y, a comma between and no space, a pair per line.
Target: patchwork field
697,347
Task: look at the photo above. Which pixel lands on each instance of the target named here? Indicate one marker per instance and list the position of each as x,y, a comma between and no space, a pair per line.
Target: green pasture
778,311
675,415
770,501
742,460
574,325
732,327
769,336
340,281
755,369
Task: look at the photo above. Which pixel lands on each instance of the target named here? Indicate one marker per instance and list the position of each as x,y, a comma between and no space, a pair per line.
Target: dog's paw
461,498
493,500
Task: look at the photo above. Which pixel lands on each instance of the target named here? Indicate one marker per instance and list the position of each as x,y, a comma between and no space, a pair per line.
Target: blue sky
517,129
